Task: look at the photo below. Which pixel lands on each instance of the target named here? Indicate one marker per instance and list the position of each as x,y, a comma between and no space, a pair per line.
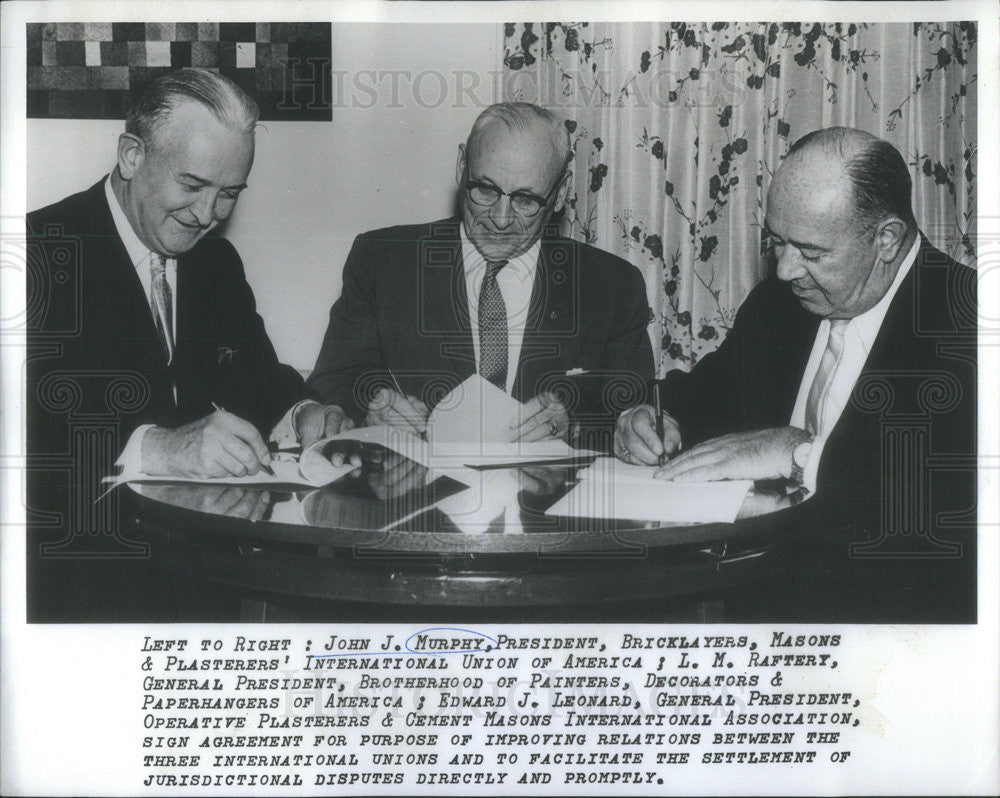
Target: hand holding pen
246,434
217,445
393,408
646,435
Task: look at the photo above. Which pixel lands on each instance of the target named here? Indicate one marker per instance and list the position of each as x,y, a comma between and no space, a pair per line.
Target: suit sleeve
705,400
628,354
625,368
350,346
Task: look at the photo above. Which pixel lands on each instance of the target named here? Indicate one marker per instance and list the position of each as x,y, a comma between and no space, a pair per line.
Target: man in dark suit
845,376
558,325
158,330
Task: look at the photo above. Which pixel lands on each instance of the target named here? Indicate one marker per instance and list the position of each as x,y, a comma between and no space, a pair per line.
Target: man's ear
562,191
460,166
131,154
890,235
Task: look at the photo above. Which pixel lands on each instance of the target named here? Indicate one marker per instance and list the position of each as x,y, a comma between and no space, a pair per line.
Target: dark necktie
493,328
163,313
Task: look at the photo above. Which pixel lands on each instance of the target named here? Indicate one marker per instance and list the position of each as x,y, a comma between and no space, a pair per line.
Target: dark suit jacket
404,307
902,453
93,348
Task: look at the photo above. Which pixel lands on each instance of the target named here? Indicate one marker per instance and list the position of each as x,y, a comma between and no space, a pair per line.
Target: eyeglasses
524,203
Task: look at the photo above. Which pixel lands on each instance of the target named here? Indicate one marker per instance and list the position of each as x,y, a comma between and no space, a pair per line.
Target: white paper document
474,412
613,469
611,489
474,426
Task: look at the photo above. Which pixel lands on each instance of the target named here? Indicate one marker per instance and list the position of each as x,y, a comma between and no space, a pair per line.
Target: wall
402,104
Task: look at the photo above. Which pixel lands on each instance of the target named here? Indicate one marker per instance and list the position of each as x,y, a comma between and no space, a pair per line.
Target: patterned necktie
493,328
163,314
820,390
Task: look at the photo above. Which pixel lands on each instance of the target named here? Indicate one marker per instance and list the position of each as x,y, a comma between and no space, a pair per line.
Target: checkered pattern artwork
92,70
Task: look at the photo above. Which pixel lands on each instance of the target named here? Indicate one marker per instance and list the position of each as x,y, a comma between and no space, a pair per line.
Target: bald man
865,326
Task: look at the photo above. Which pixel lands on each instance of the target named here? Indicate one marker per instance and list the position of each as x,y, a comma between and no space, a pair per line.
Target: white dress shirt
516,281
859,337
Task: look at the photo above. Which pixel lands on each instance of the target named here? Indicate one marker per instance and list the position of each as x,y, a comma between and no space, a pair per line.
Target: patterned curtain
677,129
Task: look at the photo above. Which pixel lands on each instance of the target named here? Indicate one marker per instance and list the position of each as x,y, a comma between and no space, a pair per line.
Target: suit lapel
444,298
186,299
799,340
894,335
549,335
124,290
121,297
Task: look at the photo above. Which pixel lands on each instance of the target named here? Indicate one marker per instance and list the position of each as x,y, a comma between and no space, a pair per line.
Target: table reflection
391,493
393,533
252,504
416,499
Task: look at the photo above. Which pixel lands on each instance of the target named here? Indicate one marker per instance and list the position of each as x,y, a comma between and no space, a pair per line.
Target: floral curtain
677,129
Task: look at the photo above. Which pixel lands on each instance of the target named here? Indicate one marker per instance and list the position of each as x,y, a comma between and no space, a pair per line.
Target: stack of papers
613,490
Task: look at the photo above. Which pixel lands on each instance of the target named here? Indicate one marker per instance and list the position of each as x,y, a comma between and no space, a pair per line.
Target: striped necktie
493,328
162,302
820,390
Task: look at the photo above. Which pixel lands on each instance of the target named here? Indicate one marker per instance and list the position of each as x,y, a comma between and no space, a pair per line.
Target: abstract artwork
93,70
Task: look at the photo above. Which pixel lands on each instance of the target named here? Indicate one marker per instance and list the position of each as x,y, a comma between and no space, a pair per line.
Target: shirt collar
137,251
869,322
523,265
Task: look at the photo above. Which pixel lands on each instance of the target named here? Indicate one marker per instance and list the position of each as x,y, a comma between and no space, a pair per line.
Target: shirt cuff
810,473
131,457
284,433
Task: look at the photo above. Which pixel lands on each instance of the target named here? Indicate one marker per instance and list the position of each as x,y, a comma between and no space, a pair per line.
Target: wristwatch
800,458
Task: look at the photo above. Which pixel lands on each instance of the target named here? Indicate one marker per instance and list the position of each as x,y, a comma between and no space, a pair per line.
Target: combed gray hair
227,101
522,117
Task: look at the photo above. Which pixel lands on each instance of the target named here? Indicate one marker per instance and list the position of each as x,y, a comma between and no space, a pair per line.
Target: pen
275,448
659,420
267,469
395,382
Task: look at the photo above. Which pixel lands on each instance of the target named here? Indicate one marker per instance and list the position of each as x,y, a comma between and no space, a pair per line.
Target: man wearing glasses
558,325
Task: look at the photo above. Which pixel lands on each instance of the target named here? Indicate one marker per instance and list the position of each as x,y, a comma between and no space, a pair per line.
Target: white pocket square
575,372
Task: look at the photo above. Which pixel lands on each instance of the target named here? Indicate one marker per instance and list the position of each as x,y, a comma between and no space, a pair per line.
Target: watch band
797,475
